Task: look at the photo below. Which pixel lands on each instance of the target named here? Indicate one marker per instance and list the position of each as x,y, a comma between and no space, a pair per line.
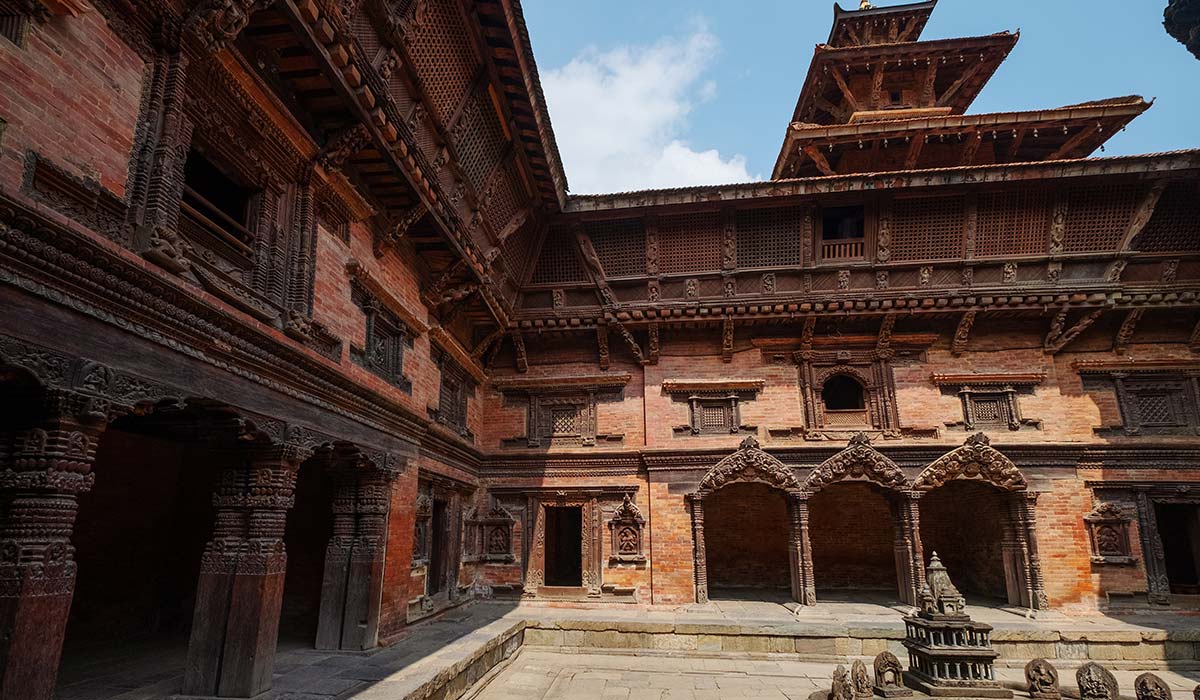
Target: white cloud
619,117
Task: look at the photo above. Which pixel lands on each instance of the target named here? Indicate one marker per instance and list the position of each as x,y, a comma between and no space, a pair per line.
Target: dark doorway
1179,530
437,550
308,531
851,529
564,546
746,541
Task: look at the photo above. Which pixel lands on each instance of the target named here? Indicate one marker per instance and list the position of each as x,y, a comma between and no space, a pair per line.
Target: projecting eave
1172,161
912,16
1048,134
956,56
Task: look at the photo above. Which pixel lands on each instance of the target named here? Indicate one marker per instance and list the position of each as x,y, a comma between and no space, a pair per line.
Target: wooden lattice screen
1175,226
441,54
504,196
1013,223
769,237
621,246
518,249
478,139
689,243
1098,217
927,229
559,259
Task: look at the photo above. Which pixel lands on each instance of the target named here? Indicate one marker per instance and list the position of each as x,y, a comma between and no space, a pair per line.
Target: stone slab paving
154,670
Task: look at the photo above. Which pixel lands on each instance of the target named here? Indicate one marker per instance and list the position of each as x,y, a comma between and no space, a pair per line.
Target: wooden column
1028,510
236,621
699,553
910,556
804,583
43,469
535,568
1158,586
337,561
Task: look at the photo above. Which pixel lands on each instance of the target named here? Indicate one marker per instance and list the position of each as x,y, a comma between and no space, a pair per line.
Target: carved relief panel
625,533
1108,532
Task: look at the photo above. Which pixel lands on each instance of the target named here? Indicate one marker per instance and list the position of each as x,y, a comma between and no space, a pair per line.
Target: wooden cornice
684,386
1110,366
551,384
448,344
988,378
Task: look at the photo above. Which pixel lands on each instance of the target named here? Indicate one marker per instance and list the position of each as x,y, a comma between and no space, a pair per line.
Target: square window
564,422
715,418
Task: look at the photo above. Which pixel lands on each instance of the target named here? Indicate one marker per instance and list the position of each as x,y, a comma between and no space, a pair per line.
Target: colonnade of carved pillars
1021,563
46,464
43,469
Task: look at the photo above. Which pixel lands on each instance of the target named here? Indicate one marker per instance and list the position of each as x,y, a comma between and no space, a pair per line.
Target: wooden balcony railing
843,249
846,418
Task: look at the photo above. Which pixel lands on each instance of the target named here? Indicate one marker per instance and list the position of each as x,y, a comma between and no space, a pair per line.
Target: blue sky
660,93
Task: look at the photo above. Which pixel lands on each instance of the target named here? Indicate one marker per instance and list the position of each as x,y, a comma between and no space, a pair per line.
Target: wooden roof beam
1143,214
847,93
819,160
952,91
916,144
1074,142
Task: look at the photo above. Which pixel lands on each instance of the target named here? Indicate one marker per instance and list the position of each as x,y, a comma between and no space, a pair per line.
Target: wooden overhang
879,25
1076,131
964,67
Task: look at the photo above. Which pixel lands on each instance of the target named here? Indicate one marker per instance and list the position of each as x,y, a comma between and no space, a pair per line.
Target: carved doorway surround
750,464
977,460
591,503
1147,496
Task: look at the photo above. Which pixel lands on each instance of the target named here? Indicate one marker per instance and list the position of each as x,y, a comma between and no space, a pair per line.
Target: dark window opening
843,393
1179,529
456,388
386,340
564,546
212,199
14,27
434,578
843,223
897,97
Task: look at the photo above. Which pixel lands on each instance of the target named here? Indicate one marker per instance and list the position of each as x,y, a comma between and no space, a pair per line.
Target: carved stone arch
750,464
858,461
977,460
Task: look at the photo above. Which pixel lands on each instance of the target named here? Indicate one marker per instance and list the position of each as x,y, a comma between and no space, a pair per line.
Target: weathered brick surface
70,94
851,533
747,557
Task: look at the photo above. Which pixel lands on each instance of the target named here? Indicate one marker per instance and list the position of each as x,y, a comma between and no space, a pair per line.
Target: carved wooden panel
441,53
1013,223
928,228
689,243
769,237
1098,217
621,246
558,261
1108,532
1175,222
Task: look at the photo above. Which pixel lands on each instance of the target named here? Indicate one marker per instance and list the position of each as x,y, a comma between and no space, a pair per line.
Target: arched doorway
861,529
978,514
747,543
749,478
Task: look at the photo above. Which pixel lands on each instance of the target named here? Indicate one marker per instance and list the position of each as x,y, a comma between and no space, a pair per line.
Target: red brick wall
393,614
963,522
671,544
71,94
850,528
746,533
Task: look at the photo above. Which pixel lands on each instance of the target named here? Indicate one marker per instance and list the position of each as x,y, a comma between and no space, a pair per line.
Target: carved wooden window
769,237
215,211
1098,217
441,52
386,339
928,228
456,387
844,399
1153,402
1013,223
621,246
714,407
843,233
559,259
1175,222
1108,531
990,401
690,243
562,412
625,533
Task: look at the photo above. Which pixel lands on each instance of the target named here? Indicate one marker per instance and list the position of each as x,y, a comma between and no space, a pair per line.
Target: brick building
301,337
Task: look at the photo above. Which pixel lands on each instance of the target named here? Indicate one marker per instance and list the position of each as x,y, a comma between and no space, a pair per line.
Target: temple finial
865,5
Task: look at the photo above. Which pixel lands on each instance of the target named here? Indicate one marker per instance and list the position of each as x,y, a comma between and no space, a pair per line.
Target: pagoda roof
904,23
966,64
1170,161
1073,131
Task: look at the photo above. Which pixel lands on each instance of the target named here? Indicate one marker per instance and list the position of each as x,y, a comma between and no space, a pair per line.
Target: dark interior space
850,529
1179,530
564,546
963,522
746,538
435,579
842,393
309,527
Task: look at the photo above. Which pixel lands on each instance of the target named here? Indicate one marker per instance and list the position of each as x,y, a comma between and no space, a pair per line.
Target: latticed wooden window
769,237
689,243
503,196
564,421
441,54
518,249
1175,226
621,246
452,398
715,417
989,410
478,138
928,229
1013,223
363,29
559,259
1098,217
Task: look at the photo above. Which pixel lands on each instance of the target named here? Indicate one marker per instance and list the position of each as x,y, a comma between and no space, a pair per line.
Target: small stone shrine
1096,683
889,677
950,655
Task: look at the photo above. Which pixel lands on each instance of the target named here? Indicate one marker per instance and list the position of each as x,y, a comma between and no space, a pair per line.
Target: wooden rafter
974,139
1143,214
1060,336
1126,331
654,346
927,89
952,91
819,160
1015,147
727,340
630,342
962,333
602,346
839,113
847,93
1074,142
916,144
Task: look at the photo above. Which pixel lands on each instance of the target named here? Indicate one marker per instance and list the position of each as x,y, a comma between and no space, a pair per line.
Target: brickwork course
303,341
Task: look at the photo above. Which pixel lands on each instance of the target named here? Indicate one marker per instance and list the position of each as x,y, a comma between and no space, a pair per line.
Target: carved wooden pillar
337,561
592,547
804,582
454,529
1158,586
1037,587
535,569
236,621
910,516
43,469
699,553
1013,553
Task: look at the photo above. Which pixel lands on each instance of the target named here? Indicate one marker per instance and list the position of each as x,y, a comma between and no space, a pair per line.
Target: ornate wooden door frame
590,502
1146,496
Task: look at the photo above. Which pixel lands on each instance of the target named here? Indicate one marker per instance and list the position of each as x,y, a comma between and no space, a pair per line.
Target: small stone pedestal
949,654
